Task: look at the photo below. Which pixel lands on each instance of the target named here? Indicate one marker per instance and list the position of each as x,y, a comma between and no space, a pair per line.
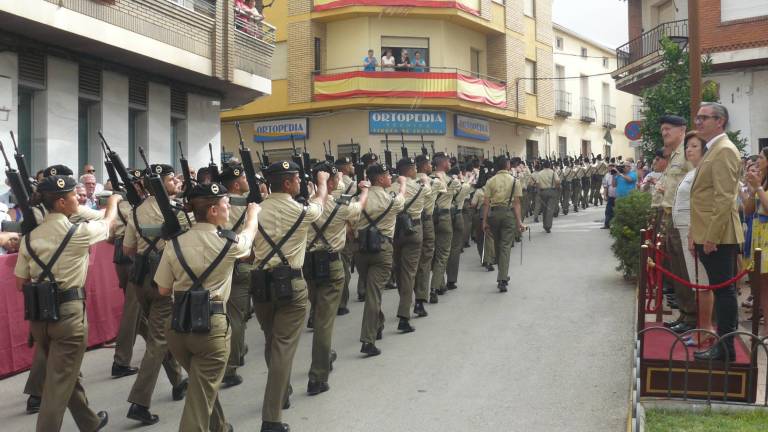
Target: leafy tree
630,216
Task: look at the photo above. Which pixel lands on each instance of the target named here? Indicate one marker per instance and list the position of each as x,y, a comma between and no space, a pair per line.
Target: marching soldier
407,245
600,169
470,175
547,181
524,177
533,191
501,215
279,291
146,251
367,160
61,336
347,186
586,183
565,187
202,260
376,229
578,173
443,224
484,242
457,241
324,271
432,188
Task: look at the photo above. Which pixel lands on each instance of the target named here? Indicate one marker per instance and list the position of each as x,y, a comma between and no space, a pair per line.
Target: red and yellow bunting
469,6
409,84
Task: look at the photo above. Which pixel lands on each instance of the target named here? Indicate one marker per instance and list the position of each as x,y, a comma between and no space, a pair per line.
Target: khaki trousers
427,254
281,323
586,184
325,297
63,345
374,270
36,377
132,322
548,202
503,225
443,239
407,253
347,254
485,245
204,357
457,245
565,196
467,213
576,194
157,309
238,308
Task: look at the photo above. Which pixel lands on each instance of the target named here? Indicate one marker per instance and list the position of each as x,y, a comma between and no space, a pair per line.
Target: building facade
734,34
148,73
485,86
590,113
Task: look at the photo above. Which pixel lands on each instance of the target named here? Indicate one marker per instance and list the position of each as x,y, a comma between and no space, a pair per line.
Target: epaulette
229,235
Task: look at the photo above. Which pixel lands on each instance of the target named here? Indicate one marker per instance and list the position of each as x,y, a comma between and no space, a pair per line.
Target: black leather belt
501,208
465,210
333,256
295,273
217,307
416,222
443,211
426,217
68,295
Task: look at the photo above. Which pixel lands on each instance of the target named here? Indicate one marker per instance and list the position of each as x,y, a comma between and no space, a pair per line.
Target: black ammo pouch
280,279
145,264
41,297
404,226
370,238
119,257
317,265
192,310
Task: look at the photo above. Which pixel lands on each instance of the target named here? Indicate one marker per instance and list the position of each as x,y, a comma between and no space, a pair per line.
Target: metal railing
562,103
426,69
609,116
588,111
649,42
256,29
205,7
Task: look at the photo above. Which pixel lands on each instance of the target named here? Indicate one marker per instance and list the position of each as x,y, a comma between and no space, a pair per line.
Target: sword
482,256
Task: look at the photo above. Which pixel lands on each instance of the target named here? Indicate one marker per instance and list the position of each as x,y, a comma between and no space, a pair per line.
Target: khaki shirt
279,211
378,201
72,266
336,231
567,174
499,189
412,187
477,198
579,172
445,199
123,215
432,188
347,186
590,171
547,179
464,192
656,196
83,214
148,213
200,247
235,212
676,170
602,168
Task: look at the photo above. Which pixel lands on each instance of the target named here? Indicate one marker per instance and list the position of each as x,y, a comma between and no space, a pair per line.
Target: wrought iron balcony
609,116
588,111
562,103
647,46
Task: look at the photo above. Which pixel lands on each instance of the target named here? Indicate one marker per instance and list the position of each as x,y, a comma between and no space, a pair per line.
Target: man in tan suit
715,227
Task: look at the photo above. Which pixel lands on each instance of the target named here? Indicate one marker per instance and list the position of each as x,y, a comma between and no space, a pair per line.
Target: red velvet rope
698,286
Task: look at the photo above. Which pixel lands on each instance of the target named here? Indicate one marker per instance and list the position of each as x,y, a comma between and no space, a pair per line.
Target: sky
603,21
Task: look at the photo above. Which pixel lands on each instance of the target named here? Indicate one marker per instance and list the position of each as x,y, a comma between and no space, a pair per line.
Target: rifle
328,155
19,190
387,153
299,160
307,161
212,167
403,148
265,156
423,147
122,171
254,193
21,165
117,186
359,168
171,226
186,172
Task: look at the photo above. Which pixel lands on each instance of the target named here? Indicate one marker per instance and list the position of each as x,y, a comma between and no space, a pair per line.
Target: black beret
673,120
343,161
57,183
659,154
61,170
369,158
405,162
161,169
376,170
210,190
421,159
282,167
231,172
324,166
439,155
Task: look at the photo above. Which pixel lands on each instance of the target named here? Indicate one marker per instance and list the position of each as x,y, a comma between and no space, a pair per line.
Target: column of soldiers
279,260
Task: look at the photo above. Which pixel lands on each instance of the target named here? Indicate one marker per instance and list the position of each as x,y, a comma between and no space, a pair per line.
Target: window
531,149
605,62
318,62
562,146
762,143
25,125
559,43
463,152
529,8
583,52
742,9
82,132
586,147
343,150
474,56
530,75
411,45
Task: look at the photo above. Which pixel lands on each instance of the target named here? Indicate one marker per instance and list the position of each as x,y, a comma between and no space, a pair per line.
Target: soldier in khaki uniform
565,187
367,160
457,241
407,244
484,242
156,308
501,215
470,175
432,188
239,299
63,342
378,223
281,313
586,183
443,223
578,174
327,239
547,182
347,186
597,181
203,259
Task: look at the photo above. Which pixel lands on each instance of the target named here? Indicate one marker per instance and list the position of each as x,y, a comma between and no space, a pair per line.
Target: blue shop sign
281,130
407,122
470,127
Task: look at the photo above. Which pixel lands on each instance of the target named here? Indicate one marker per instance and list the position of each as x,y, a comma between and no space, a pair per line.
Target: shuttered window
138,89
178,103
32,70
89,82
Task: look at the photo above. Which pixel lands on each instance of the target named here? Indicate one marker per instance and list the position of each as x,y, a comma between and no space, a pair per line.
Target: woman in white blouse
681,218
388,61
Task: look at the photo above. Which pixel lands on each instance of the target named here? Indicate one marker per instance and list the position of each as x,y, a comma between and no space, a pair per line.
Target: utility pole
694,56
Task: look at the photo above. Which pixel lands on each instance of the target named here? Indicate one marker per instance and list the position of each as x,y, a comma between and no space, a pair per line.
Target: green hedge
630,216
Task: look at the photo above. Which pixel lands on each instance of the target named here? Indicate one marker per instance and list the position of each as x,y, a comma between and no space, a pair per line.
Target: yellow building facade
471,96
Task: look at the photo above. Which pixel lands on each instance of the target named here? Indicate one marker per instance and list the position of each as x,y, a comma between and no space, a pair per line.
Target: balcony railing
432,82
205,7
649,42
256,29
588,111
401,7
609,116
562,103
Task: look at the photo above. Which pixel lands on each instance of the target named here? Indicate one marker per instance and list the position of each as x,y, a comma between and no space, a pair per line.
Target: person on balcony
370,62
388,61
247,16
404,64
419,65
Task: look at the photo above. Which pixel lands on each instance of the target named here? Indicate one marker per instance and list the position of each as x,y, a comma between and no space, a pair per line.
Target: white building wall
9,99
744,93
759,111
158,124
54,139
203,127
114,117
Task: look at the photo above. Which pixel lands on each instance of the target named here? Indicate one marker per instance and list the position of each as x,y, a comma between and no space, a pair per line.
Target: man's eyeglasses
90,171
702,118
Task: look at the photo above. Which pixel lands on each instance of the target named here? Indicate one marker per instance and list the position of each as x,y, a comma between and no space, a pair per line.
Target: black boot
369,349
33,404
315,388
502,286
119,371
433,299
103,420
419,310
405,326
180,390
451,286
142,414
231,381
274,427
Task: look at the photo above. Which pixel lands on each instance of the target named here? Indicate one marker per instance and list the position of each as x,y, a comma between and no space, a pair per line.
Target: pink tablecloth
104,306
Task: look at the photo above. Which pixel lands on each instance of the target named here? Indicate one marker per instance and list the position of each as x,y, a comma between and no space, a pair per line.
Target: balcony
441,83
588,111
639,60
562,103
401,7
609,116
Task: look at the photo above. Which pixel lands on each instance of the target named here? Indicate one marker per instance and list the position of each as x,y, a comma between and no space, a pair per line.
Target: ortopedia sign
281,130
407,122
470,127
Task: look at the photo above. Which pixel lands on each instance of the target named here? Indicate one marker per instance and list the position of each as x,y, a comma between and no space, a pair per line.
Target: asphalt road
552,354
